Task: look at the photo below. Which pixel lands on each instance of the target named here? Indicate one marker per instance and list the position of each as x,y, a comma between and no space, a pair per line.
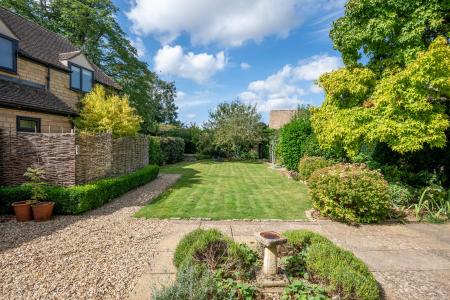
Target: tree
92,26
389,33
235,126
102,112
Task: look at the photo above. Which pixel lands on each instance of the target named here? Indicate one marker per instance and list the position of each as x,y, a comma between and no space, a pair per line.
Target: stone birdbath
270,240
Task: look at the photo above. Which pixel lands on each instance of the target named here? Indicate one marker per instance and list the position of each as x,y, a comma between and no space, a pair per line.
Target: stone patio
409,261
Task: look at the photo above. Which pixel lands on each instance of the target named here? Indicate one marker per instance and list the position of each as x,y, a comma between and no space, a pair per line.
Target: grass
229,190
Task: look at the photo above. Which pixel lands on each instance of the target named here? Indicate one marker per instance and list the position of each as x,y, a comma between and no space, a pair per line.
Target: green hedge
350,192
309,164
165,150
338,269
154,151
81,198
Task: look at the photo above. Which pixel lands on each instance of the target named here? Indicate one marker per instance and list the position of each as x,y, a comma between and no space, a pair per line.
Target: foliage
295,265
103,112
208,246
235,128
433,205
205,143
242,261
300,290
400,194
172,149
350,192
293,138
339,270
92,26
231,289
154,151
406,109
36,181
81,198
192,283
388,33
190,134
309,164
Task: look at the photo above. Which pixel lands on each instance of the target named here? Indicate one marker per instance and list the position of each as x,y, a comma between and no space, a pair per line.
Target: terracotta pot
42,211
22,210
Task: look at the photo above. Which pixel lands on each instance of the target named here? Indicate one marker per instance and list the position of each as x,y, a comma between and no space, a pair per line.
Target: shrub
338,269
192,283
350,192
309,164
401,195
292,140
154,151
81,198
192,246
172,149
302,290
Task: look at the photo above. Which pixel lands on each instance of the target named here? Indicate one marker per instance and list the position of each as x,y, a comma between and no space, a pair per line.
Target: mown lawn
229,190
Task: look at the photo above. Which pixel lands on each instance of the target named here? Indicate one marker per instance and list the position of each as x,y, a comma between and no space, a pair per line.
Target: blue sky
264,52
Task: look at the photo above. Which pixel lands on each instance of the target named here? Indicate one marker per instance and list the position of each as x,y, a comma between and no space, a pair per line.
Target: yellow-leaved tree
104,112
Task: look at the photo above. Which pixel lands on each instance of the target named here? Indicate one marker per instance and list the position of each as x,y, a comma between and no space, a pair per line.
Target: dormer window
81,79
8,54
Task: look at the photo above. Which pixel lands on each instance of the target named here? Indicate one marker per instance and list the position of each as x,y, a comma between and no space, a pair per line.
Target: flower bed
212,266
81,198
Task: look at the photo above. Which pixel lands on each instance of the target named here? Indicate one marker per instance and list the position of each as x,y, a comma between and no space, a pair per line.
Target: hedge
338,269
309,164
165,150
81,198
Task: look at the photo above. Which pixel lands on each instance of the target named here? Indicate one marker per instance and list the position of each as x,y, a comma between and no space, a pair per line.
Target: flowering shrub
309,164
350,192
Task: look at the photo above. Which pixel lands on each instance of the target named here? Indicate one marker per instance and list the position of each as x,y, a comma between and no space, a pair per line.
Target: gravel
96,255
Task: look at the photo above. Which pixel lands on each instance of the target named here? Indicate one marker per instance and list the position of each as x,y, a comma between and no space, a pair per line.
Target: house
42,77
278,118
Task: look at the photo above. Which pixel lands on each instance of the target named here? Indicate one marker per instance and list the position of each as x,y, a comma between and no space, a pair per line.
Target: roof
40,44
17,94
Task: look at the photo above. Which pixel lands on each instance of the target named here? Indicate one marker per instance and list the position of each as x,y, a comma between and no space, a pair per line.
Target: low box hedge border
80,198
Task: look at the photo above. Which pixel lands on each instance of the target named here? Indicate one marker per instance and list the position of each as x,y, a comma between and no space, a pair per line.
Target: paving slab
409,261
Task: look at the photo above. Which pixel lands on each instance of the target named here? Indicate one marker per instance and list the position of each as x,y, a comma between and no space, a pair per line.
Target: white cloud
315,89
198,98
139,45
281,90
191,116
198,67
313,67
228,22
245,66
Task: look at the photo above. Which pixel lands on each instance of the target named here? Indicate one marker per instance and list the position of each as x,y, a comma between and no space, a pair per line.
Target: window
8,58
80,78
28,124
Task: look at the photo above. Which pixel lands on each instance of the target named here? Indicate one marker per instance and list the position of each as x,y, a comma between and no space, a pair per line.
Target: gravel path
96,255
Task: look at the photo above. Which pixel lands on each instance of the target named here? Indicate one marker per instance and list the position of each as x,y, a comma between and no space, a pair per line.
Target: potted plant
42,210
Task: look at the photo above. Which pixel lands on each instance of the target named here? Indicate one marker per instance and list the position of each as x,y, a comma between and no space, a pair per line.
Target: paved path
409,261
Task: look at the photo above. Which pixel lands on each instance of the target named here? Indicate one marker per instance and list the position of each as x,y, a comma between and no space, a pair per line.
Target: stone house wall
49,123
278,118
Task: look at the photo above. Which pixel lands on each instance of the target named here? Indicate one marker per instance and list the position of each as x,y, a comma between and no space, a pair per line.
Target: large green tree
394,91
92,26
235,128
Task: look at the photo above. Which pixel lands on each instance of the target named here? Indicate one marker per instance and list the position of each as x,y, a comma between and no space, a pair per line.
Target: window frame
80,90
25,118
15,46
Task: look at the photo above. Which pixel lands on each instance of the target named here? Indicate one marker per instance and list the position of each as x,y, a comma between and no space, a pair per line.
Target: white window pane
6,53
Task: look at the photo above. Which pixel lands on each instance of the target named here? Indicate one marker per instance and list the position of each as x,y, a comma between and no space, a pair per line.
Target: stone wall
55,153
70,159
